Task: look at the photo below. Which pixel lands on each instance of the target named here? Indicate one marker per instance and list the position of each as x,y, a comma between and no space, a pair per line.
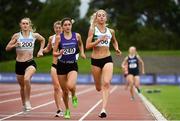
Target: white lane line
39,89
91,109
9,88
9,93
17,92
45,104
80,93
152,109
33,89
15,87
11,116
35,95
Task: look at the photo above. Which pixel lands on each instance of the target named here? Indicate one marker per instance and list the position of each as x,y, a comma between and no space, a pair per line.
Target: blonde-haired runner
24,41
132,63
99,39
55,81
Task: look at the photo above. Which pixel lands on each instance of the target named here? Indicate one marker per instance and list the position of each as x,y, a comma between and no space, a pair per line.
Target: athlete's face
67,26
24,25
132,50
101,17
57,29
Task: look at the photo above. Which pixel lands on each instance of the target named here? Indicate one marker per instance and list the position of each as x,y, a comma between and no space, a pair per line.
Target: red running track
120,107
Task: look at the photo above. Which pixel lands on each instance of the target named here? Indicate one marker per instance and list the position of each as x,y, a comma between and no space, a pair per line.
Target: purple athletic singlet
70,47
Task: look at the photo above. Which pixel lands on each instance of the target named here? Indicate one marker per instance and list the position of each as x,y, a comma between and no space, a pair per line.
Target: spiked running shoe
27,106
59,113
139,91
103,114
75,101
67,114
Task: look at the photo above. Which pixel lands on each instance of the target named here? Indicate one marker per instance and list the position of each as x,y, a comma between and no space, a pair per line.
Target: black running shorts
65,68
21,66
54,65
101,62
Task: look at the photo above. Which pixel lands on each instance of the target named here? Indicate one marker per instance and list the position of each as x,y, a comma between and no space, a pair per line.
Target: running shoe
132,98
139,91
24,108
103,114
27,106
59,113
67,114
75,101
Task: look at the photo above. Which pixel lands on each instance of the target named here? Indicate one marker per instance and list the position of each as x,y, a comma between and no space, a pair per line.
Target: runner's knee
106,84
65,91
56,88
26,78
22,88
98,89
71,86
27,82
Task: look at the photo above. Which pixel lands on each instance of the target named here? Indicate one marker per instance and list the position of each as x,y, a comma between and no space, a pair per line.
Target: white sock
103,110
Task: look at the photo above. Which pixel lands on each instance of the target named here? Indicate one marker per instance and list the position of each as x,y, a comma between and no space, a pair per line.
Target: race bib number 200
26,44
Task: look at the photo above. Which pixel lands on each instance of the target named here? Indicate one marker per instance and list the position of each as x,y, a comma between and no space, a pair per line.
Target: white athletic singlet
53,40
98,34
26,43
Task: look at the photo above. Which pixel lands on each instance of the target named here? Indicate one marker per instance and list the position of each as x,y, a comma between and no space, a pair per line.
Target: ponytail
93,21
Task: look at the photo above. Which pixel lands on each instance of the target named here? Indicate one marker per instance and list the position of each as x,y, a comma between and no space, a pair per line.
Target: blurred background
153,26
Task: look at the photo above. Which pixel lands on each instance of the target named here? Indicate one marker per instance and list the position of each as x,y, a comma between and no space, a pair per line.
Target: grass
167,102
44,63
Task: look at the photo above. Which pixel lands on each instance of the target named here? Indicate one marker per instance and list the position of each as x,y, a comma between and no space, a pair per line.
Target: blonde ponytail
93,21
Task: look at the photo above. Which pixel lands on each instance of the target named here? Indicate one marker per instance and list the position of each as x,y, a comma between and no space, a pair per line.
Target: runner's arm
80,44
142,64
124,63
49,46
115,43
42,43
12,43
89,43
56,52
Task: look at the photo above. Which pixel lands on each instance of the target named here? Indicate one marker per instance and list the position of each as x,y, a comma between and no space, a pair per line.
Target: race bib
132,65
26,44
69,51
104,42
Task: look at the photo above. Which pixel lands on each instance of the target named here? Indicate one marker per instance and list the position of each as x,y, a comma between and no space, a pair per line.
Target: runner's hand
61,52
118,52
40,53
17,44
83,55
